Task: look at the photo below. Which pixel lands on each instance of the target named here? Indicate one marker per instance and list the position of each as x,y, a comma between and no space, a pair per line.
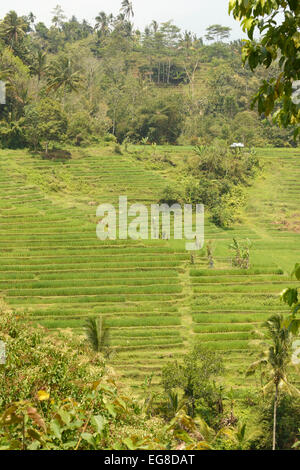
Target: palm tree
276,357
31,19
58,16
154,26
13,28
97,334
127,9
39,64
62,74
102,23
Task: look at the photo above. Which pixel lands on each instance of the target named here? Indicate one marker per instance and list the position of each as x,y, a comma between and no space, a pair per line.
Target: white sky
193,15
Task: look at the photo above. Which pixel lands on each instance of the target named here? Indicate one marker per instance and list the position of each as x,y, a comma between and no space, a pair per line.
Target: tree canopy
277,22
162,84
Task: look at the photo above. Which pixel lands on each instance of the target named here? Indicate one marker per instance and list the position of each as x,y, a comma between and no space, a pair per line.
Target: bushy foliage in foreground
56,394
288,413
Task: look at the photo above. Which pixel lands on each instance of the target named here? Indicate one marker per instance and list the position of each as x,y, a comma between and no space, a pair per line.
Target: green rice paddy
155,301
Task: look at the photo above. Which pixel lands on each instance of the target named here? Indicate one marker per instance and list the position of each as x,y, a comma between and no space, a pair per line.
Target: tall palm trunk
275,416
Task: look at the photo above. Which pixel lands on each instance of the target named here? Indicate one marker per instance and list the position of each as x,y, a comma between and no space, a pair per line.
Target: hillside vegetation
80,84
138,343
155,301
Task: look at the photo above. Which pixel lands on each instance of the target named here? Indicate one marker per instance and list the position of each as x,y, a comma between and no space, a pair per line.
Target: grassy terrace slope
228,303
53,266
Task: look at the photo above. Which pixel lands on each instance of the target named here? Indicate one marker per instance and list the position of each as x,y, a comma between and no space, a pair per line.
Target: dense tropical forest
140,344
78,84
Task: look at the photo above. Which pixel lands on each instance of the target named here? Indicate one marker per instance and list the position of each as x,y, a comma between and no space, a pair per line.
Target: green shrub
118,149
288,423
171,196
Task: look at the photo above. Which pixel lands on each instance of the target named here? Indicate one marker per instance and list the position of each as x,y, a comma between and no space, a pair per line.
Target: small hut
237,146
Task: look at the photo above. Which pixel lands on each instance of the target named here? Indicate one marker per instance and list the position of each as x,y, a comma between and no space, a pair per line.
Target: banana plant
174,403
241,253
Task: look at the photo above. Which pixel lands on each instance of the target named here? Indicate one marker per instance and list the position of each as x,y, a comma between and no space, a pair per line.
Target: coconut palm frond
289,388
91,332
269,387
62,73
97,333
255,365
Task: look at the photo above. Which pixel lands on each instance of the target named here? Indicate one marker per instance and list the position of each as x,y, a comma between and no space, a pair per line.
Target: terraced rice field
155,301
